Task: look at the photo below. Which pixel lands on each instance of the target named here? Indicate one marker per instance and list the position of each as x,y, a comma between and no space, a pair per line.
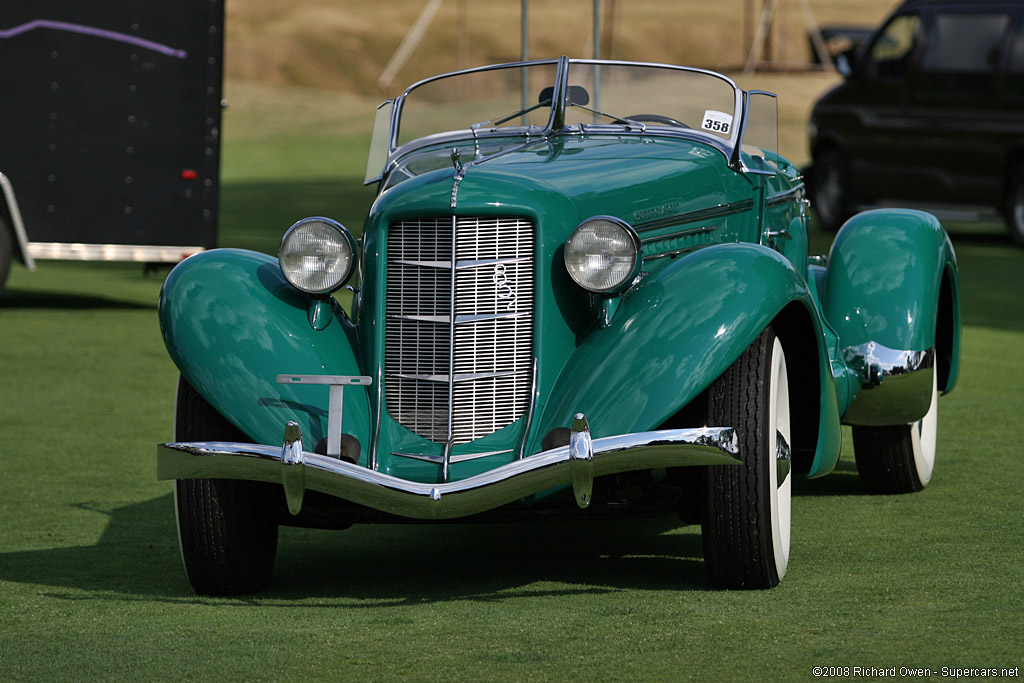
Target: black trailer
110,116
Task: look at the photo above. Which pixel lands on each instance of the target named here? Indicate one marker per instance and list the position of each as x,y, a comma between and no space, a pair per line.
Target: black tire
830,192
227,528
5,253
746,508
899,458
1014,209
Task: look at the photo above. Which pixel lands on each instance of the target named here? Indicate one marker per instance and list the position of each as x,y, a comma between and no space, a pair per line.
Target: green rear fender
232,324
892,279
680,329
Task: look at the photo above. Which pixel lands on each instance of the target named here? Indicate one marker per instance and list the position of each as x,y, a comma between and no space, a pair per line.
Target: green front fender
680,329
232,324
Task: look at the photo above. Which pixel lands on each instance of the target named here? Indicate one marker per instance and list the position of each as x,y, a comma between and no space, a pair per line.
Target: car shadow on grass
842,481
21,298
137,557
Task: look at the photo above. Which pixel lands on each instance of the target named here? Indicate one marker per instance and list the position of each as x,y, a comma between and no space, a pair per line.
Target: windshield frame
556,120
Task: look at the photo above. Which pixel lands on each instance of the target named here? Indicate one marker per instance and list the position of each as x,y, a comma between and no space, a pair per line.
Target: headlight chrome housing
317,255
603,255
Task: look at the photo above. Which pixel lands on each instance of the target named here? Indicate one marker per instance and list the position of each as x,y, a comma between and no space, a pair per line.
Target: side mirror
846,61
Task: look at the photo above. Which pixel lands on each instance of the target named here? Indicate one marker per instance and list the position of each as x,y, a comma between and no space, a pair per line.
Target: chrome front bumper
576,464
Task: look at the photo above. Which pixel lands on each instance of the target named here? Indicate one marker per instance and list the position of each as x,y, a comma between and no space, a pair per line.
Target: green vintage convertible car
583,290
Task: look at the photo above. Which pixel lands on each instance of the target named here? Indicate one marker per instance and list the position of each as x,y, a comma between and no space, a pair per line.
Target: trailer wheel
227,528
5,253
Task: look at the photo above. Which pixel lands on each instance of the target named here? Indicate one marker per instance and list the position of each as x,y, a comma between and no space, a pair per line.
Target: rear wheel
900,458
227,528
745,520
830,195
1015,207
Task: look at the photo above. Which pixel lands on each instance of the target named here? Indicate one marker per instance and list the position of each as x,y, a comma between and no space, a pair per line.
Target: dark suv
931,113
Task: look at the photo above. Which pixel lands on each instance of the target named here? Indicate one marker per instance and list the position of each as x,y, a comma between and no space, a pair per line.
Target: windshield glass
517,99
652,95
504,97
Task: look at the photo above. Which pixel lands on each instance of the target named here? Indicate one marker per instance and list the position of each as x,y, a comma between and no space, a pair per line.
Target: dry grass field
346,45
323,58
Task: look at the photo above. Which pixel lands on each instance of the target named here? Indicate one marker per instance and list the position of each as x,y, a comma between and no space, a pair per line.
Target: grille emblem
504,288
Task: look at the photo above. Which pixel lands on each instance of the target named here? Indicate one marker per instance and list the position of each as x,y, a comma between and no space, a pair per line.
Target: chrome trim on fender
719,211
505,484
896,385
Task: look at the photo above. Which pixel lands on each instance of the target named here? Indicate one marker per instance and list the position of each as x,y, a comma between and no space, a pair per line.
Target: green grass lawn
91,584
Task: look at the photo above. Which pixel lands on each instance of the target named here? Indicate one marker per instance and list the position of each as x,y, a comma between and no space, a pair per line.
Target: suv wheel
830,194
1015,207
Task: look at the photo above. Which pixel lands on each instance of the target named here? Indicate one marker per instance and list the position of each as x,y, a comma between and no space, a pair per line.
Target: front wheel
746,511
1015,207
227,529
899,458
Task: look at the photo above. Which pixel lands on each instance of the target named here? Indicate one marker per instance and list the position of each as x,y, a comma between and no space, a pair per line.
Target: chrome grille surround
458,349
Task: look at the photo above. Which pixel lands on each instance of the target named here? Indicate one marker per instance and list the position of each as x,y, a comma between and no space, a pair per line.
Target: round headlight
317,255
603,254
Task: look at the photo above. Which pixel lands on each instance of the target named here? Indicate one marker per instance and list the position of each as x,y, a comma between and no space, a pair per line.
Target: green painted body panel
232,324
713,279
884,278
674,334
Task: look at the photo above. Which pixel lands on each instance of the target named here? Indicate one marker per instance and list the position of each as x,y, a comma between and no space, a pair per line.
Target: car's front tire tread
227,528
737,511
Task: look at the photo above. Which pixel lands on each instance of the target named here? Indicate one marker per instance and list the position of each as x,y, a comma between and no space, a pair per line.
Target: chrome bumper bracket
293,471
581,461
335,405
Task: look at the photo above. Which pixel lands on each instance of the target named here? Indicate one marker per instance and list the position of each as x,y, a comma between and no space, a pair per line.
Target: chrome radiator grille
459,328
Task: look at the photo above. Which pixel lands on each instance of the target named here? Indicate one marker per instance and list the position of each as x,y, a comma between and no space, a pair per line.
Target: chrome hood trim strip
505,484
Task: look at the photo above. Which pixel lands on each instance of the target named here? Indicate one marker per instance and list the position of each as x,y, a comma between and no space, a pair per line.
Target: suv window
892,49
1013,87
964,43
961,54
